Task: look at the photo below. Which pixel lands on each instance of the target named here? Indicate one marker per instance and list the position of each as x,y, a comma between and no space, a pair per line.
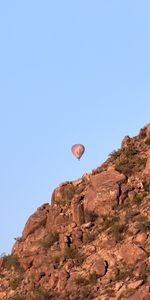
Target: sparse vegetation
56,259
122,273
15,282
67,193
115,154
85,292
117,231
49,240
110,292
143,226
138,199
41,294
88,237
11,261
58,200
93,277
129,161
110,221
147,142
90,216
72,252
80,280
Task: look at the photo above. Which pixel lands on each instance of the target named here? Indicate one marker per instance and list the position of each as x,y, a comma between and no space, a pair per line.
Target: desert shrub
110,292
138,199
85,292
58,200
115,154
72,252
90,216
93,277
68,192
88,237
49,240
123,273
15,282
110,221
130,161
41,294
80,280
11,261
143,226
147,142
55,259
117,230
141,218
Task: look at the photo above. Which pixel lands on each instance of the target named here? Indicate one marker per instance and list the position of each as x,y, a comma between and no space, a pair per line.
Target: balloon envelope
78,150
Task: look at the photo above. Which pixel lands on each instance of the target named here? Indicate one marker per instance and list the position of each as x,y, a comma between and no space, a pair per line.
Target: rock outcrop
93,240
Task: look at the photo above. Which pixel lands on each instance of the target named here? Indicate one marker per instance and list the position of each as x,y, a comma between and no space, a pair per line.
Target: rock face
93,240
104,190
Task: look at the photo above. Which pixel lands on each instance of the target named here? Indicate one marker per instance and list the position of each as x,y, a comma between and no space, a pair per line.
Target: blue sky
70,72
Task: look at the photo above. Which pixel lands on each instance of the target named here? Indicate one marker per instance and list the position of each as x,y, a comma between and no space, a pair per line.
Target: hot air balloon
78,150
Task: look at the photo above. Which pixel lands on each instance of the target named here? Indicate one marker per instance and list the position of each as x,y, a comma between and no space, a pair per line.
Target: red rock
103,192
100,267
77,210
36,220
131,253
125,141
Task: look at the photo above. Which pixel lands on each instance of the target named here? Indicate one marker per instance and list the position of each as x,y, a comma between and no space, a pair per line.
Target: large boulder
38,219
77,210
56,219
131,253
103,192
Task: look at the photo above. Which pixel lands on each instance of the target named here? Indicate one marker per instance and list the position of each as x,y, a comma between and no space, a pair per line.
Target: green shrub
42,294
115,154
90,216
147,142
72,252
88,237
58,201
122,274
138,199
110,221
117,230
130,161
67,193
56,261
49,240
15,282
85,292
79,280
11,261
143,226
93,277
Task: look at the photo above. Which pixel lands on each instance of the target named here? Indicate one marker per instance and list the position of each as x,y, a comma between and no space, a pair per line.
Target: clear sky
70,72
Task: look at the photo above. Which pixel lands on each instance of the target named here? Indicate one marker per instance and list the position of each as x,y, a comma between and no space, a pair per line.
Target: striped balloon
78,150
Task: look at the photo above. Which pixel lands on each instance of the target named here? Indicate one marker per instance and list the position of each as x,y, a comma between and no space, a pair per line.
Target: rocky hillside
93,240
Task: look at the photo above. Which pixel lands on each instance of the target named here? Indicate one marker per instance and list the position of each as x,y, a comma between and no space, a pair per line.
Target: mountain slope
93,240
